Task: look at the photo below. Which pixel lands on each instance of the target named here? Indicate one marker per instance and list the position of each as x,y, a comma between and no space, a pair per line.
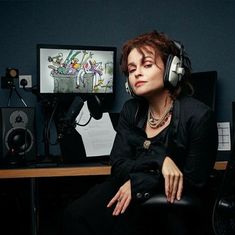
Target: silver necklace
158,122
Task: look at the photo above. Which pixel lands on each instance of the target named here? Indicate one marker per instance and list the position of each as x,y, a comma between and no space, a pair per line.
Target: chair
188,216
159,201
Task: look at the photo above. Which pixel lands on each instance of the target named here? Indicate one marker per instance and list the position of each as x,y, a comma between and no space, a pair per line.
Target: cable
49,125
78,124
18,94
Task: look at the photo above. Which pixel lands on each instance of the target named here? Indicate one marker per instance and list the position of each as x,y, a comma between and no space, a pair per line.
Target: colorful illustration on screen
80,71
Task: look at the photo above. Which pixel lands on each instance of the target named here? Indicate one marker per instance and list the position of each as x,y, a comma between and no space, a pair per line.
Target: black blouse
190,141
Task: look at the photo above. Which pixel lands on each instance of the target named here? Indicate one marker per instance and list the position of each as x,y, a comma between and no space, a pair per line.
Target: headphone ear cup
167,70
171,77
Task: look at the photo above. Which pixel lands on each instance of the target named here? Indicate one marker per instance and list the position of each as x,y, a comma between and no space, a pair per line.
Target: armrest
159,200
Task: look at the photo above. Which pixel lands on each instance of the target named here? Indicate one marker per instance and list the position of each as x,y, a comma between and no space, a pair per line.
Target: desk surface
54,172
68,171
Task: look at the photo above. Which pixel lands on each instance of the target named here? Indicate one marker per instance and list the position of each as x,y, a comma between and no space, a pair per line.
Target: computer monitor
204,84
71,69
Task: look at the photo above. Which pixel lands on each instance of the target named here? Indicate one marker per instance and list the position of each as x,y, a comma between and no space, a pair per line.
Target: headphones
174,70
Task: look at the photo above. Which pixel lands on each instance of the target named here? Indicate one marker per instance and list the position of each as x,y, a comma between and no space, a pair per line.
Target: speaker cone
19,141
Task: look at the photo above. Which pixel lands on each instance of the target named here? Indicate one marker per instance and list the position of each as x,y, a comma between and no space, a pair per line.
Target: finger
119,207
126,204
167,186
180,188
115,211
175,187
111,202
114,199
171,184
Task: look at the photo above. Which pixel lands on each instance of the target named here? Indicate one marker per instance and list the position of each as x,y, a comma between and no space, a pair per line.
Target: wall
204,26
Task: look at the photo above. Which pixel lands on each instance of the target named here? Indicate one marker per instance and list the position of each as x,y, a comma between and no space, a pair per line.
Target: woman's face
145,72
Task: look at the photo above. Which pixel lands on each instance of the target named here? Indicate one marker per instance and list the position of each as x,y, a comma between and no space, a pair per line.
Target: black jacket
190,140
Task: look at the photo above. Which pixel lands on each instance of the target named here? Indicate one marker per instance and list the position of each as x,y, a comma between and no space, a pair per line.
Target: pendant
146,144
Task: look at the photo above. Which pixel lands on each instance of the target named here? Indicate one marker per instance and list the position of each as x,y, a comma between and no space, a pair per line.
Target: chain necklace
158,122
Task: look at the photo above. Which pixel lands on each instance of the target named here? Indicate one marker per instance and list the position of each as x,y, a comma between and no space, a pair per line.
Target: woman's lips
140,83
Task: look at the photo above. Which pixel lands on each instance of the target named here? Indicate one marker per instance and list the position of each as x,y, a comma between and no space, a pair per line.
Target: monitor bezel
75,47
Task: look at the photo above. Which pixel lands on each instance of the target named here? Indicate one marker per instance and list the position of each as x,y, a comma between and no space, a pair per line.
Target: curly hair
163,47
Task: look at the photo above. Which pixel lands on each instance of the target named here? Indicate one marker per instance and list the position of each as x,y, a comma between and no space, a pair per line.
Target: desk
34,173
54,172
69,171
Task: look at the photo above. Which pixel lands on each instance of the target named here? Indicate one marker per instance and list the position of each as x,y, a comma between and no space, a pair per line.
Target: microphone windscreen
95,107
74,109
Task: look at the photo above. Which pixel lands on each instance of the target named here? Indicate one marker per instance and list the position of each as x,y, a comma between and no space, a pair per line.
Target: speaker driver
18,118
19,141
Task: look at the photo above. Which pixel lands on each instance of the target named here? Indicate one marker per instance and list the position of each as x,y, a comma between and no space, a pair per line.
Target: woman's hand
173,180
122,198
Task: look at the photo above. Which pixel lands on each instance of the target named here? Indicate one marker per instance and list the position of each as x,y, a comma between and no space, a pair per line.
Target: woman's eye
148,65
131,71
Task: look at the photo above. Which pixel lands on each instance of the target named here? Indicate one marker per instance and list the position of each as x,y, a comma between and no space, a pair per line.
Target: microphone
95,107
68,122
74,109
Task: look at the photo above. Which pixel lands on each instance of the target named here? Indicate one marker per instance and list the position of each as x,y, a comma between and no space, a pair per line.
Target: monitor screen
64,69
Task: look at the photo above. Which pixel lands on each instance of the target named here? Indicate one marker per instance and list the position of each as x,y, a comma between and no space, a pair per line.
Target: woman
166,141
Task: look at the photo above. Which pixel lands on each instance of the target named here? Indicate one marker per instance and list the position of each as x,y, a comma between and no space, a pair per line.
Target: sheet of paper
98,136
224,136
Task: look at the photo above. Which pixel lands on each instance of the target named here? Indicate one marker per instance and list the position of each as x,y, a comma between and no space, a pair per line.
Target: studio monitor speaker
17,141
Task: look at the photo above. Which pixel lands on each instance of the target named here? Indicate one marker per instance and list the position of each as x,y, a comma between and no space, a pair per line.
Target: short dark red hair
160,43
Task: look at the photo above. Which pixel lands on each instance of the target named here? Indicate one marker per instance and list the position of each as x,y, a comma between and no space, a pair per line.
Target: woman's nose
138,72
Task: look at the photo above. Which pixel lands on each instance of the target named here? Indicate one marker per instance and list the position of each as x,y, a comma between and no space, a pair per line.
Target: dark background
204,26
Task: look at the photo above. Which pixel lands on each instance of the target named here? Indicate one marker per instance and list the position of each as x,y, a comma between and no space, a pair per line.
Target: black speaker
17,142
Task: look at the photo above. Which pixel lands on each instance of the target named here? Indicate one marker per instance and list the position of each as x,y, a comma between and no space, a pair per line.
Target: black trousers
89,215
